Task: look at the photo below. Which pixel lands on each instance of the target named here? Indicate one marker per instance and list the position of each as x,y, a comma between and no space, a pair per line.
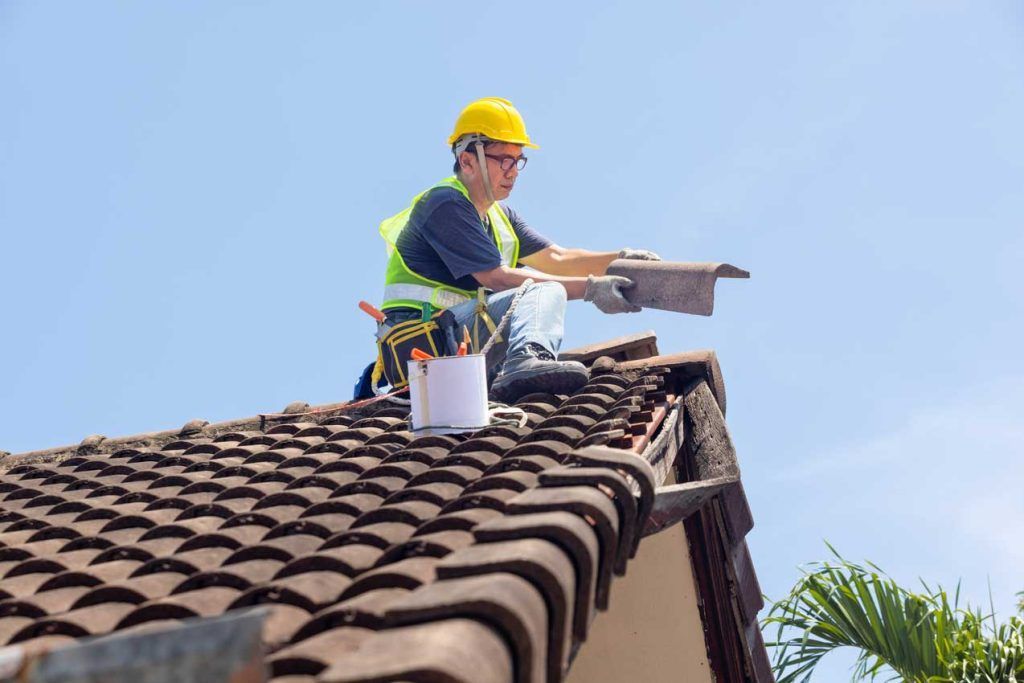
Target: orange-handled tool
463,349
417,354
372,311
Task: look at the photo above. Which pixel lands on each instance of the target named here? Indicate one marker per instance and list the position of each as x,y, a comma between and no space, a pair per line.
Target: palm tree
920,637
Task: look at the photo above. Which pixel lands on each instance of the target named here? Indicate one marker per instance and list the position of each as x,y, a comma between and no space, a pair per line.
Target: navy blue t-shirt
446,241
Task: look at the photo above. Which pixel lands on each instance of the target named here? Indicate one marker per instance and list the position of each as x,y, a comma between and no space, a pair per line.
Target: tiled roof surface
381,554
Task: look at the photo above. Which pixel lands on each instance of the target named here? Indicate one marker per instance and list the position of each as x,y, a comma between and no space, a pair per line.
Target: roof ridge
91,443
630,352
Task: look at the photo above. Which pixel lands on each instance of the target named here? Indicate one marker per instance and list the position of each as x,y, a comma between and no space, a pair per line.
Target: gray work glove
639,255
606,293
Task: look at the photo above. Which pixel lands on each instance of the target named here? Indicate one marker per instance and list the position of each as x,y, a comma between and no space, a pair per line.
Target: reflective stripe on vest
438,298
404,287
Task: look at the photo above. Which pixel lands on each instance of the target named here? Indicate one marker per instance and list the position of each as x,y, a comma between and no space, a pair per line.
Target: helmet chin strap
482,161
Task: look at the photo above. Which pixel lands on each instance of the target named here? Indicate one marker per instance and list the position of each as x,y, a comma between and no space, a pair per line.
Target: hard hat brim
525,143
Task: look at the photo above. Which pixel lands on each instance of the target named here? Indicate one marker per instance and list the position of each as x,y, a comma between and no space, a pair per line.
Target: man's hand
606,293
639,255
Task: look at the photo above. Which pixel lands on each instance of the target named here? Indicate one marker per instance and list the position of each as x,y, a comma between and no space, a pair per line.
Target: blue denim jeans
539,318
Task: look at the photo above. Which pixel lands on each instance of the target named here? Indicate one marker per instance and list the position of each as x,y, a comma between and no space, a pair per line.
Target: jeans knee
553,291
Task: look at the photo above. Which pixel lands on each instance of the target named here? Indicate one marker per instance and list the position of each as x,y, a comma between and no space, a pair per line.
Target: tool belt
435,337
435,333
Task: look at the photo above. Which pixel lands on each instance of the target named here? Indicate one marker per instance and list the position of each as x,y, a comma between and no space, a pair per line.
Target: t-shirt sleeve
456,234
530,241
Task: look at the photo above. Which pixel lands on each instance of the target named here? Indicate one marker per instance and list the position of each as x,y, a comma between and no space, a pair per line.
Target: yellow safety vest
403,287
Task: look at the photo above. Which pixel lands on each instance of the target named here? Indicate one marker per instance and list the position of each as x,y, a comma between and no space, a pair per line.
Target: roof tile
503,601
449,650
544,565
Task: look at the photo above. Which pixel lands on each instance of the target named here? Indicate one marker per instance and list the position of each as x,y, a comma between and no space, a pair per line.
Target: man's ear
466,161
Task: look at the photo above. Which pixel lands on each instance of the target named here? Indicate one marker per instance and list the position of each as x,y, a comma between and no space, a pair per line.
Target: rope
500,411
503,323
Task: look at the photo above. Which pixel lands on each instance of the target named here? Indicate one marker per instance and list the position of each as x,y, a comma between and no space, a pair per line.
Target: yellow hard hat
494,118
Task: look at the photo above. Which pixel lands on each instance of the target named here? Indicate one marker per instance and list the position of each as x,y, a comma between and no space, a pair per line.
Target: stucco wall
652,631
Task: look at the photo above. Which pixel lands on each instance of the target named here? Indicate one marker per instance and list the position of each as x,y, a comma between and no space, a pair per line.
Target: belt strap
482,314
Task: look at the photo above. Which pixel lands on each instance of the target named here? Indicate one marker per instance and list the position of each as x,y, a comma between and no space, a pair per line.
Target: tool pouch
435,337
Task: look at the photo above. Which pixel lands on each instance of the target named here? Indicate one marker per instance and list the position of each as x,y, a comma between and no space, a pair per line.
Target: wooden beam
726,652
664,447
707,434
730,594
674,504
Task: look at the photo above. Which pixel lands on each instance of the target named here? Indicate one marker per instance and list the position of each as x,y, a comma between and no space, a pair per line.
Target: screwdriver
464,346
372,311
382,320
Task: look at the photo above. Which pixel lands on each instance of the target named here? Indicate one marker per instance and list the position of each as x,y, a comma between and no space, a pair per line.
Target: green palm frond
979,654
912,637
843,604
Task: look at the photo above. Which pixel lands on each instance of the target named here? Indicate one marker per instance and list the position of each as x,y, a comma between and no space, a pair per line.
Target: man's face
502,182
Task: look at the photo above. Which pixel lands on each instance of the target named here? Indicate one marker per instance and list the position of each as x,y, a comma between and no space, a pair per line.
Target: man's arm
605,291
503,277
574,263
571,267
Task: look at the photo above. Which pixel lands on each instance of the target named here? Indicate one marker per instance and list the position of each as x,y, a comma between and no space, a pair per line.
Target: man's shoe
537,370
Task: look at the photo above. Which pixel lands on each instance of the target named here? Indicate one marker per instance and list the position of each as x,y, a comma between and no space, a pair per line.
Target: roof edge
684,368
716,531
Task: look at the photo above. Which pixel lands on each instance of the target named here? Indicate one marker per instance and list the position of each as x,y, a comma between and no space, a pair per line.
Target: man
456,238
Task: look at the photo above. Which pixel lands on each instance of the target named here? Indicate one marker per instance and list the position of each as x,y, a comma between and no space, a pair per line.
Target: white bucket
449,394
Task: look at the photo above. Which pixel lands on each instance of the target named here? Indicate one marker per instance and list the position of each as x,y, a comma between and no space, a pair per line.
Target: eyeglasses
507,161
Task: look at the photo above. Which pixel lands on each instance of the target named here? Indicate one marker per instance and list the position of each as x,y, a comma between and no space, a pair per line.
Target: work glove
639,255
606,293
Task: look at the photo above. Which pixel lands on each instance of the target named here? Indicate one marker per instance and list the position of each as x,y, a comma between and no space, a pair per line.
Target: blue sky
189,195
